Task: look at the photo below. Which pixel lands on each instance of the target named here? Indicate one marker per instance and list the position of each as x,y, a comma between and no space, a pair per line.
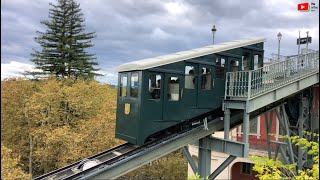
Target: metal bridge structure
247,94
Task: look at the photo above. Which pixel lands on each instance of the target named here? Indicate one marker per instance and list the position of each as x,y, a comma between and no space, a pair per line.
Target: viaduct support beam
268,117
246,118
190,160
226,120
204,155
222,167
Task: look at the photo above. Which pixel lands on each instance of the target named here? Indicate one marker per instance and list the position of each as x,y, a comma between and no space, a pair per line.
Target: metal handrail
248,84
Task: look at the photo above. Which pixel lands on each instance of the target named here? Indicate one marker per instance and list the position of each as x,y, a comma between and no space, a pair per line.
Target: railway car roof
184,55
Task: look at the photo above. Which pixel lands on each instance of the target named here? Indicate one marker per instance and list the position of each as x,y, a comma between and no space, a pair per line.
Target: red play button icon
303,7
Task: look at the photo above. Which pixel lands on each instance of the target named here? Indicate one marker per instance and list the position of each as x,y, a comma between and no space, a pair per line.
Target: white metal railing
248,84
275,58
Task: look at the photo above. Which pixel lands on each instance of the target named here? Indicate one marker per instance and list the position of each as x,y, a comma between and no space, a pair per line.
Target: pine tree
64,43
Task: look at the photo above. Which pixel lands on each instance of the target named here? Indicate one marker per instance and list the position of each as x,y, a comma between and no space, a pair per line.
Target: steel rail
68,170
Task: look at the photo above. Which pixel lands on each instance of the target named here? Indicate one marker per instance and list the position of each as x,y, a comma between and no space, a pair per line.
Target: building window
123,85
246,168
173,89
190,77
134,85
154,86
206,78
254,127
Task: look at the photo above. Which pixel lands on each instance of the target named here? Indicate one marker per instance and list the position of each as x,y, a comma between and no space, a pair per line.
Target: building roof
184,55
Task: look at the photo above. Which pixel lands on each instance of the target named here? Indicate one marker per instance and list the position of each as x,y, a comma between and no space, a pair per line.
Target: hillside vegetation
51,123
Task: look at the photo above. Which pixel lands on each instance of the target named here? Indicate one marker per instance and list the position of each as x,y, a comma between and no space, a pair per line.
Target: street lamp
279,38
213,32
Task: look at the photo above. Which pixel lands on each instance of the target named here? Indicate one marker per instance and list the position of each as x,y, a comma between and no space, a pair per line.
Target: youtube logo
303,7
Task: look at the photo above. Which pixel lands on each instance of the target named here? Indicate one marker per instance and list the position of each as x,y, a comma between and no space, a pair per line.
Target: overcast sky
129,30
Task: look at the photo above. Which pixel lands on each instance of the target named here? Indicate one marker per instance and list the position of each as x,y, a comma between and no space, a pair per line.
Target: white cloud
14,69
176,8
108,77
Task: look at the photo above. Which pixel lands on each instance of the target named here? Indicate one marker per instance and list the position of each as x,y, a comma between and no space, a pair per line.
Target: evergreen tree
64,43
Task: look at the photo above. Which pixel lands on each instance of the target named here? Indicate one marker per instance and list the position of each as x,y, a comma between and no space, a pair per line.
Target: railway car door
206,93
128,105
173,93
153,109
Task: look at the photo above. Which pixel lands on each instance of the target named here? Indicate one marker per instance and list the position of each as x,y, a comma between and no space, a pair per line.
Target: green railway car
157,93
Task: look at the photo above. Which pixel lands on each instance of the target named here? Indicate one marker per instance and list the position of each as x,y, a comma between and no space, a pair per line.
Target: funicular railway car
157,93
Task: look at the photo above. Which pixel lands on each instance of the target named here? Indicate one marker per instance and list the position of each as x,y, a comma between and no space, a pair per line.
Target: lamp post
213,32
279,38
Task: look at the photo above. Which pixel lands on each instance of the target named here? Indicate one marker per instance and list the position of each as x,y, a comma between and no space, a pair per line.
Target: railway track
72,169
112,156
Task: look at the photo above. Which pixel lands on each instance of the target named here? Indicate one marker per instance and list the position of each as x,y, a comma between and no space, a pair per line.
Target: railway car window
123,85
223,62
206,78
134,85
256,61
245,62
173,89
189,77
219,74
154,86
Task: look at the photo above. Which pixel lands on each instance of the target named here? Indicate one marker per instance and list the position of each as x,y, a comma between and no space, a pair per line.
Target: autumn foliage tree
51,123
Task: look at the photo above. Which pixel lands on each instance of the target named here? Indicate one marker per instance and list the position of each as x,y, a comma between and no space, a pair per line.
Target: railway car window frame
206,78
246,61
256,61
190,75
154,88
123,88
219,70
134,85
172,94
